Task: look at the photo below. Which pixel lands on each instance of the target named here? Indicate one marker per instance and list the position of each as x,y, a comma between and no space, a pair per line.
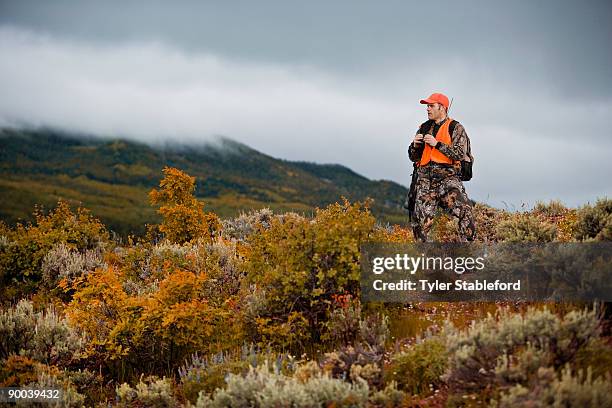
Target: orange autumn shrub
179,314
395,234
26,246
97,304
151,331
18,371
183,215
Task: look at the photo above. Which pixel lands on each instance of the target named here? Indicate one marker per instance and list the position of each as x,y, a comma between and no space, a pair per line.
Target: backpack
465,173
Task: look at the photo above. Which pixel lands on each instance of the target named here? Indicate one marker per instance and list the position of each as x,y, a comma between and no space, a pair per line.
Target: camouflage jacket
457,150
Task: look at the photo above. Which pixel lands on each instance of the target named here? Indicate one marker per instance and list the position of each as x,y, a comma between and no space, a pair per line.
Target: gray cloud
512,38
329,83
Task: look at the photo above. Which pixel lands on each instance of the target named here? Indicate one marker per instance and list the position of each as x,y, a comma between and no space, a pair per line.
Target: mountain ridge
112,176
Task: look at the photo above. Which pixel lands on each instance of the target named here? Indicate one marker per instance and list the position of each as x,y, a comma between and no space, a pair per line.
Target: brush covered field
263,310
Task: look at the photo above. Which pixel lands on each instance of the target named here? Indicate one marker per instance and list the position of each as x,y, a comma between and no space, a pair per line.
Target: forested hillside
112,177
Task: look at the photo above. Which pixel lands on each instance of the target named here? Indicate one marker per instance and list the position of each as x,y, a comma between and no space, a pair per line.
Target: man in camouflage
438,183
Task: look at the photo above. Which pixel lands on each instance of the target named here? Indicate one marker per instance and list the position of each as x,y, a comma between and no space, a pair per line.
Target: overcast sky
330,81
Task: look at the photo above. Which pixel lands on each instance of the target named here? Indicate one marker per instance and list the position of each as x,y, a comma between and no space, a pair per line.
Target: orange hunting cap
436,98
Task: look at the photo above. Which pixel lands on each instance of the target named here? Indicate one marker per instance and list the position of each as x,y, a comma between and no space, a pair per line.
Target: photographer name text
440,286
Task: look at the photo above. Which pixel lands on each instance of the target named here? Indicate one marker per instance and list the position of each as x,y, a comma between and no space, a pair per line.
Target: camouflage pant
440,187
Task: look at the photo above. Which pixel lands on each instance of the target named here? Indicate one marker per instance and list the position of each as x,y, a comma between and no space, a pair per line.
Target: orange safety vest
432,154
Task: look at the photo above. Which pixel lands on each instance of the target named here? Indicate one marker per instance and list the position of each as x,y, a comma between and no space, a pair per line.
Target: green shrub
225,268
523,364
91,385
486,219
342,327
50,378
263,388
208,373
153,392
63,263
299,265
418,369
389,397
566,390
499,351
374,331
354,364
245,224
346,325
145,264
41,336
525,228
554,208
595,222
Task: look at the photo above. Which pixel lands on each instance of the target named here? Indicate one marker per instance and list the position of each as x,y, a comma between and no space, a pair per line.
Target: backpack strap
452,126
469,150
423,129
451,129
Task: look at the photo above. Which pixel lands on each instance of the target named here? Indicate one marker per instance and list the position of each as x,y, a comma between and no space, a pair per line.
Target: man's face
435,111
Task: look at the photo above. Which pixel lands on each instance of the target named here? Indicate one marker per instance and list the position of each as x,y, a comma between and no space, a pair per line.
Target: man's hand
418,139
430,140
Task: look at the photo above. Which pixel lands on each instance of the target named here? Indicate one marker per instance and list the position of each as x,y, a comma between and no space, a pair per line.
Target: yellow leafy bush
300,265
22,255
152,331
394,234
183,216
